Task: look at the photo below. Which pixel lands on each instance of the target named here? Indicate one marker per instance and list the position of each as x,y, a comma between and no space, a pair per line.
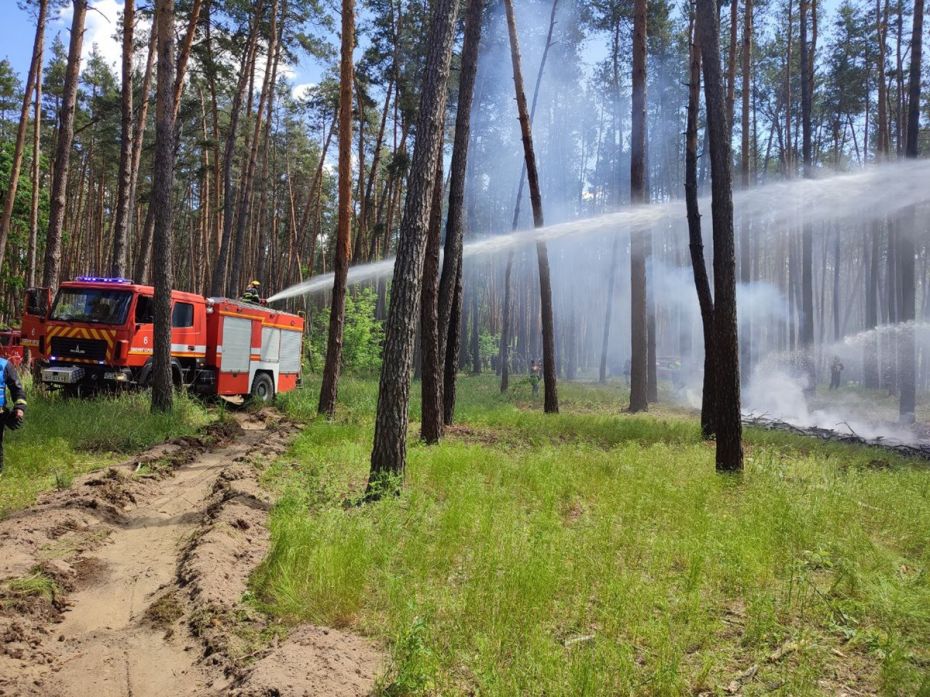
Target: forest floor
597,552
593,552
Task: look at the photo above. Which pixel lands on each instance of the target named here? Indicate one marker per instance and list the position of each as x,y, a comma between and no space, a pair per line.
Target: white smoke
780,395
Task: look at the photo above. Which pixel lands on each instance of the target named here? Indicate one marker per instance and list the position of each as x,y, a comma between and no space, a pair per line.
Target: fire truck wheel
262,388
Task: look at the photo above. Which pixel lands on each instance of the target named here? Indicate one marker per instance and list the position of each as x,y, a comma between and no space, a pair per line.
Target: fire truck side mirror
38,302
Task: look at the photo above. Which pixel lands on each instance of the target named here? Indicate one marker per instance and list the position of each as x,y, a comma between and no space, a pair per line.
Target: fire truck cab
99,333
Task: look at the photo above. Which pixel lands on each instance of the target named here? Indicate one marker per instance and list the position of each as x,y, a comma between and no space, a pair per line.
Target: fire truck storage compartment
271,344
290,352
237,345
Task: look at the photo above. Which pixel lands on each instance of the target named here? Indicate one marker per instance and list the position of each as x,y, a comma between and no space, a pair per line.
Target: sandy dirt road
149,572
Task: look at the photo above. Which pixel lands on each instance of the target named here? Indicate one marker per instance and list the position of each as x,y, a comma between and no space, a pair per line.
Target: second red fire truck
99,333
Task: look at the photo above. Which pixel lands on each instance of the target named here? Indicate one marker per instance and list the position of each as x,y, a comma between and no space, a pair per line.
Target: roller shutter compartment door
290,351
237,345
271,345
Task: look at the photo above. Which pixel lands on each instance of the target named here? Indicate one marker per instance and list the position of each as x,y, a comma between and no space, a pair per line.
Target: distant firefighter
836,372
535,376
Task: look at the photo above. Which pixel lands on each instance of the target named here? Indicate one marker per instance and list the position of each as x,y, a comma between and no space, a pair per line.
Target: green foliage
65,437
596,552
362,335
488,346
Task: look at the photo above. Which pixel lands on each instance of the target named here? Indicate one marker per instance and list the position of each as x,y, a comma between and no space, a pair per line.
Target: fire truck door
38,305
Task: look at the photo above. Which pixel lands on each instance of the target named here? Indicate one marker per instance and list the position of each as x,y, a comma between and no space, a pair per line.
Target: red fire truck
11,347
99,334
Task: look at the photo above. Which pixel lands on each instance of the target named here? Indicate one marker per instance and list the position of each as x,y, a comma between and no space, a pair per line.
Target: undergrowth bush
362,335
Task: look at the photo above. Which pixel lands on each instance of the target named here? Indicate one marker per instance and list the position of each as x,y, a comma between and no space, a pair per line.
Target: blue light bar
101,279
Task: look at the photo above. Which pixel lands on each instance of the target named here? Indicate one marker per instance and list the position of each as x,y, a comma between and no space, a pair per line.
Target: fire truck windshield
94,305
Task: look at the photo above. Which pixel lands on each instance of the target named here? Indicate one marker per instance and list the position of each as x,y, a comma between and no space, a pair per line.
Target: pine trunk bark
124,176
56,216
431,373
806,332
331,369
35,68
907,377
696,240
506,328
389,453
639,324
243,218
36,162
218,285
163,182
745,266
726,342
450,292
551,398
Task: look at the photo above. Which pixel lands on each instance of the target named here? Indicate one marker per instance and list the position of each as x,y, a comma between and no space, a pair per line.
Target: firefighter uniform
10,418
251,293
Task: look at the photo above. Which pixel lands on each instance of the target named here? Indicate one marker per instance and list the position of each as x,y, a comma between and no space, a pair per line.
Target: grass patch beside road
596,552
65,437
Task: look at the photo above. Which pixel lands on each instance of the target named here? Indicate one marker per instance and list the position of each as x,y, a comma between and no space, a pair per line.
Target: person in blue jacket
10,418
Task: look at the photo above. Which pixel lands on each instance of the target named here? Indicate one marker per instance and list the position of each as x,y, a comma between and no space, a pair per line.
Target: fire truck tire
262,388
177,375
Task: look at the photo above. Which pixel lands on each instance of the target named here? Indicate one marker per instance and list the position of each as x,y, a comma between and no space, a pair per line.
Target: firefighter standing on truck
10,419
251,293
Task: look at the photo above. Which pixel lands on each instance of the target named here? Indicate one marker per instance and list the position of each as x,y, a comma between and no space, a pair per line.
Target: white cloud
103,29
302,89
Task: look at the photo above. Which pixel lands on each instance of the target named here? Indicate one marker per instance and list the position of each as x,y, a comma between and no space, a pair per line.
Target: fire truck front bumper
63,374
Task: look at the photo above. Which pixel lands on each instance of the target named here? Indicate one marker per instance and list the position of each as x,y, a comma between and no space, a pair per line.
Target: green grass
36,585
596,552
65,437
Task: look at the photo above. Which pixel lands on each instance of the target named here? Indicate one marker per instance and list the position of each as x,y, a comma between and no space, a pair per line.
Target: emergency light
101,279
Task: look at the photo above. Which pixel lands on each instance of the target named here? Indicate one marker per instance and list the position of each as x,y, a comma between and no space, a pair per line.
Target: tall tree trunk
450,282
431,421
185,52
731,61
871,376
124,176
389,454
806,332
696,239
163,182
218,286
545,285
330,386
605,337
56,216
639,357
36,156
726,342
141,265
243,219
881,140
506,329
745,238
789,163
907,376
35,73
